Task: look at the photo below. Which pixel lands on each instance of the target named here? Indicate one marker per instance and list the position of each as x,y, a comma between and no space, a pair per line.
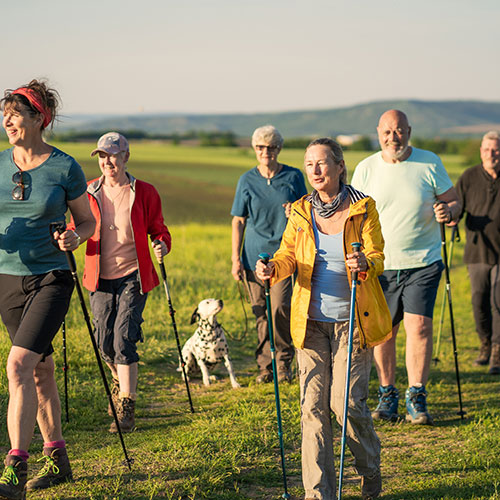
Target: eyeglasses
271,149
18,191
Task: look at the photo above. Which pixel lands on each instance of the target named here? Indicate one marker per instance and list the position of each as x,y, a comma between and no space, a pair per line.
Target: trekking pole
60,228
65,370
174,326
265,258
455,236
354,282
460,412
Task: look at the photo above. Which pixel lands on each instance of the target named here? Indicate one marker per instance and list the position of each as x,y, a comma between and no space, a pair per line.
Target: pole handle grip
60,227
162,265
355,248
264,257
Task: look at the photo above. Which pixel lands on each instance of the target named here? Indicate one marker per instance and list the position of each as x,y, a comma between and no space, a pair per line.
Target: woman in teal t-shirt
260,212
38,185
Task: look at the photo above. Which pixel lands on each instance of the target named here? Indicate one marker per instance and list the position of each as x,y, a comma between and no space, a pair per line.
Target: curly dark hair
49,96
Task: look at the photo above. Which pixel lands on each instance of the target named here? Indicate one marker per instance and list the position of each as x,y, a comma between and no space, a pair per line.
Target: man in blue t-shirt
260,210
414,195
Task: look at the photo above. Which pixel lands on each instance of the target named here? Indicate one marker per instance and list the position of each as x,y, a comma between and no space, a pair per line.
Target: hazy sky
224,56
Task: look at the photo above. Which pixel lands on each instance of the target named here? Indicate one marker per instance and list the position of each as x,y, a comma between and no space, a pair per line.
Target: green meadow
228,449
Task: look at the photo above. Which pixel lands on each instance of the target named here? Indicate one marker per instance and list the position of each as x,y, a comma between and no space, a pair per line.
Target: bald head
393,135
394,115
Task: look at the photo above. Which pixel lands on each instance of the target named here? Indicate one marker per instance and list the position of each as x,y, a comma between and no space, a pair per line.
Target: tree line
467,147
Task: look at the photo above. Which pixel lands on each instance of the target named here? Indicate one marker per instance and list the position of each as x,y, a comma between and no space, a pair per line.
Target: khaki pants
281,295
322,368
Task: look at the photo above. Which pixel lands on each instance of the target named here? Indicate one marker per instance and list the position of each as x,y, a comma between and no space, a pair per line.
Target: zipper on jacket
98,250
131,206
298,213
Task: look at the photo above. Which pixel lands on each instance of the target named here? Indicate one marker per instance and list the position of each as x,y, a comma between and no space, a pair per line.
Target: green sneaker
13,479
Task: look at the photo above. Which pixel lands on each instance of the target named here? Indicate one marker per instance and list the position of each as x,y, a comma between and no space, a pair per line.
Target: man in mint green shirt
414,195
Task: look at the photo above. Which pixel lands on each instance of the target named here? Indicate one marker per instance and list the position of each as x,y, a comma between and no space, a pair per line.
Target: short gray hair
267,134
492,135
336,150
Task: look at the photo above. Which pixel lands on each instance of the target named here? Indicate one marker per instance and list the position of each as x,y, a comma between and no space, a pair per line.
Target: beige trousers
322,369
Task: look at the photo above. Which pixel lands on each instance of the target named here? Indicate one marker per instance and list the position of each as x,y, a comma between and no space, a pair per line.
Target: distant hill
428,119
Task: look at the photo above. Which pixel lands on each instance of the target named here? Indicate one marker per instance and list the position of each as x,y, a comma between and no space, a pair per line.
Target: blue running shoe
416,405
388,399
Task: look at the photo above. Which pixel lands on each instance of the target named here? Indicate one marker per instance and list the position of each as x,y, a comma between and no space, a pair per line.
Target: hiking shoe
371,486
125,409
264,378
495,360
285,374
55,470
13,479
483,357
416,405
388,399
115,395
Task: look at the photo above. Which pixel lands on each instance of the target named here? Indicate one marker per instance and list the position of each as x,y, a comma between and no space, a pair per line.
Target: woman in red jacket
118,268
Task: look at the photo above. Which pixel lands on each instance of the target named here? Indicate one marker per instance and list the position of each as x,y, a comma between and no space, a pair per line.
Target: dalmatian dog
208,346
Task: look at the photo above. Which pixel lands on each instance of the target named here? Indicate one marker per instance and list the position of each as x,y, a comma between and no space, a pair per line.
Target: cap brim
97,150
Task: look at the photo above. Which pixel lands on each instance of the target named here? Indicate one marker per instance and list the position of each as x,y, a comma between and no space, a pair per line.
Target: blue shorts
411,290
117,307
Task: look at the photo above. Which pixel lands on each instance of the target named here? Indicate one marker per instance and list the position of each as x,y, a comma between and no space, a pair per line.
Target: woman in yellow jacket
317,244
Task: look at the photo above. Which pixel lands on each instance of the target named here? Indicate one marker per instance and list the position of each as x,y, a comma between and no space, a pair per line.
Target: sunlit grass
229,448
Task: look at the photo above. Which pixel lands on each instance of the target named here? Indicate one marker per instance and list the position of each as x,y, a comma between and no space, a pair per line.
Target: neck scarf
36,101
326,210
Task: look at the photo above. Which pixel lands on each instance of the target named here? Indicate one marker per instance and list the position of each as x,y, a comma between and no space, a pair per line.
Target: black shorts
411,290
33,308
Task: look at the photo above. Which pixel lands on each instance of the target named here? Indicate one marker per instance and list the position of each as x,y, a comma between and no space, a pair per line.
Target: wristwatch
78,239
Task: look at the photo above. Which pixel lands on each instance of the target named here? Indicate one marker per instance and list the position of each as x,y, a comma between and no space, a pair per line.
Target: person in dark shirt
479,191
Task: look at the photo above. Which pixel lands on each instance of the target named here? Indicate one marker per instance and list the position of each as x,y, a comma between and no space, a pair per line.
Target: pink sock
19,453
55,444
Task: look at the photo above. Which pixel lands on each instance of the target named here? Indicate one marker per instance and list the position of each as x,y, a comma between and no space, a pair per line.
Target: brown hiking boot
495,360
55,470
13,479
264,378
125,410
285,374
115,396
371,486
484,354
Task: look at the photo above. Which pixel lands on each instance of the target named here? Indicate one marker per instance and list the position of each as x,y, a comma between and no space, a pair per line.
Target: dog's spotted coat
208,346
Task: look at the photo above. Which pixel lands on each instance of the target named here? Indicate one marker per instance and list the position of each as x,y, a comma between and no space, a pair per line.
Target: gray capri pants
117,306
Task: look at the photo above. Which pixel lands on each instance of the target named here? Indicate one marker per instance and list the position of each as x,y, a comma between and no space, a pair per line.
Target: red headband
36,101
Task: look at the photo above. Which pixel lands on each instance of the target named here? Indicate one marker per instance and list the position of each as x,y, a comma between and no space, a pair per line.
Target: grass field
229,448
